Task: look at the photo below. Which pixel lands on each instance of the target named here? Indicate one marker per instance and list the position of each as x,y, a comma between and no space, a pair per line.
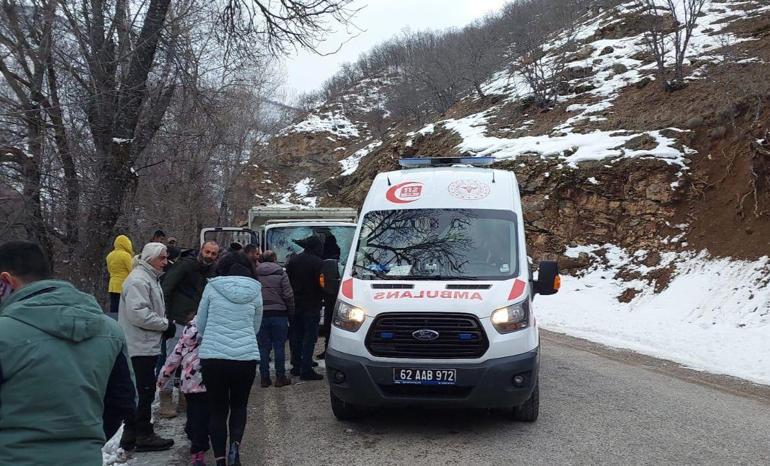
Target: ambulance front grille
460,336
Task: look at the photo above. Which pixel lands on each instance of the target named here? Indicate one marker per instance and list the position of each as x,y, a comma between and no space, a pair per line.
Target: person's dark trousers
228,384
140,424
114,305
161,360
307,339
272,336
119,398
197,426
329,303
296,329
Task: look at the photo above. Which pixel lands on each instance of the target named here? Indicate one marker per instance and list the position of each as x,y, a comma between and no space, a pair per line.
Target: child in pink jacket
197,427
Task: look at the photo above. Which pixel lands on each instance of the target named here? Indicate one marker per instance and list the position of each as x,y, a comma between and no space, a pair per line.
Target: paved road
598,406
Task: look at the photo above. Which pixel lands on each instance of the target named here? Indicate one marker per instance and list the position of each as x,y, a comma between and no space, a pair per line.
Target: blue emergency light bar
415,162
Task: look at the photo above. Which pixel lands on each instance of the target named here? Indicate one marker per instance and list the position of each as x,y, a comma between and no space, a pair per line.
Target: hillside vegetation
605,152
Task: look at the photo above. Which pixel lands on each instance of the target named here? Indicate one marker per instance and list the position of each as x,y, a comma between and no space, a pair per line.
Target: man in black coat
304,272
183,285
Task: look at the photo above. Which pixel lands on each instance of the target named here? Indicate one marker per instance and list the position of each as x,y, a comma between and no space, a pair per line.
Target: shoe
312,375
321,355
234,456
282,381
265,382
181,407
294,371
221,461
153,442
128,439
198,459
167,409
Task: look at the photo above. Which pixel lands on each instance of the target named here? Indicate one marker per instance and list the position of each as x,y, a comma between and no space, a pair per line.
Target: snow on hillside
350,164
572,147
334,122
713,316
612,68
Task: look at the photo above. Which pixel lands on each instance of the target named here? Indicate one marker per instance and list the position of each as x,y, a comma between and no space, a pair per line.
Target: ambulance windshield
437,244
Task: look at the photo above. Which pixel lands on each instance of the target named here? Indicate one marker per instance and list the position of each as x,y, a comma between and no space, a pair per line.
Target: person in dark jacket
277,305
65,384
304,272
233,255
183,286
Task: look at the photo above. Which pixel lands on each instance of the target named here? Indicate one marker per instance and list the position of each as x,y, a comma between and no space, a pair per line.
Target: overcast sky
380,20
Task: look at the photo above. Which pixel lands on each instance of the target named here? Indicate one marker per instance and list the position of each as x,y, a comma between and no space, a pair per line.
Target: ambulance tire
528,411
344,411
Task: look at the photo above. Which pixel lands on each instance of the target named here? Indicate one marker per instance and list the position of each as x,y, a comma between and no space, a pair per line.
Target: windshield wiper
438,277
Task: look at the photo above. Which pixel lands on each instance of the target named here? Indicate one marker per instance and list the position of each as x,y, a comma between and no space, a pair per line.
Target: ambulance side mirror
548,280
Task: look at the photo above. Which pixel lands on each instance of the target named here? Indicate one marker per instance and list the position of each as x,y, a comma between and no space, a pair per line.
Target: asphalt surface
598,406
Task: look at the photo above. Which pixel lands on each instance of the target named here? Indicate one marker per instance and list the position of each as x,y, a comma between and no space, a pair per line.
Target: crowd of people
201,323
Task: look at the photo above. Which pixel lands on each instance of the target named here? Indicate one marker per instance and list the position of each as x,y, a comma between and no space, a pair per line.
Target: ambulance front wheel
344,411
530,409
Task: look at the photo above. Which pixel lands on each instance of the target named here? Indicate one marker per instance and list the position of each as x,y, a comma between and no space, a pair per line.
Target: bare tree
668,29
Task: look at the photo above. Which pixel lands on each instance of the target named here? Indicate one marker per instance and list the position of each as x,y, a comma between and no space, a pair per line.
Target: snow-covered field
714,315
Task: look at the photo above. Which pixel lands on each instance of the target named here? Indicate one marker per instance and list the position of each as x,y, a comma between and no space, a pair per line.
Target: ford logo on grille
425,334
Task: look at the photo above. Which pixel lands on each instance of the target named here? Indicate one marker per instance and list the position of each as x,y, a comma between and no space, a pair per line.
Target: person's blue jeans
272,335
305,335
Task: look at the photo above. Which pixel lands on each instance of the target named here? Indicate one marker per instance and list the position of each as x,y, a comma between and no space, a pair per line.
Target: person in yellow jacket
119,265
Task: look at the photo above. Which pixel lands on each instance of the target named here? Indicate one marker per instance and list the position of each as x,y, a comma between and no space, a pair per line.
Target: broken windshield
437,244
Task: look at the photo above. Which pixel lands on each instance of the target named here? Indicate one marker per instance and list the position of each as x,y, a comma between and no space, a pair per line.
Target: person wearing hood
304,272
62,366
142,316
119,265
229,317
278,305
183,286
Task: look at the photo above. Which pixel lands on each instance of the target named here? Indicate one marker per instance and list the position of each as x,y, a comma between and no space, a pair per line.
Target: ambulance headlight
511,318
348,317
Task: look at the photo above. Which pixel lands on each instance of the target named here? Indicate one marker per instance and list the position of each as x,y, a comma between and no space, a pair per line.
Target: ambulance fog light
510,318
339,377
348,317
521,380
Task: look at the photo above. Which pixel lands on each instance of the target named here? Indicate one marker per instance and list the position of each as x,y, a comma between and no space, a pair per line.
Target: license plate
424,376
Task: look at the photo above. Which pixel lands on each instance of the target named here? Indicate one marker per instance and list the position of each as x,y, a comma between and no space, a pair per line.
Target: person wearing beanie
304,272
142,316
229,318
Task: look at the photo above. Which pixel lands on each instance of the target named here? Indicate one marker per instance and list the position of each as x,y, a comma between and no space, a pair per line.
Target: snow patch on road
713,316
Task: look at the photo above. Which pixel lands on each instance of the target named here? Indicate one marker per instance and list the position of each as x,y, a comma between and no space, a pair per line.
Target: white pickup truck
275,228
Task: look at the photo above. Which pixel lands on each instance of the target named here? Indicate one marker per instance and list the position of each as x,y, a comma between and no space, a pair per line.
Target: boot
128,439
312,375
198,459
265,382
234,456
282,381
167,409
153,442
181,407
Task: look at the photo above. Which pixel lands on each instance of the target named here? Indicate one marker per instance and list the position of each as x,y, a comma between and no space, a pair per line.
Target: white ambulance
435,307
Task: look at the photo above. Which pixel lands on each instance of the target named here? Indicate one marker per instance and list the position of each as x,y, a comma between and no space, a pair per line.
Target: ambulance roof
452,187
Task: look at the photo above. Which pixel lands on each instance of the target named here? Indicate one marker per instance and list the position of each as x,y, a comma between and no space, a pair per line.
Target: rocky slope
618,160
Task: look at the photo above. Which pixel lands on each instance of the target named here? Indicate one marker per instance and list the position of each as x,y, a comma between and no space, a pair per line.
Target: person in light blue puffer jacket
229,317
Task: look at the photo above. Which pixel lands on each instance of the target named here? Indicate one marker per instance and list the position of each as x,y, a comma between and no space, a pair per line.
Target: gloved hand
170,331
